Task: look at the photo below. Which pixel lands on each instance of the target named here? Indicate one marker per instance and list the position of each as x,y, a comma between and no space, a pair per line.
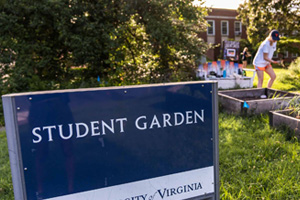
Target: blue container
224,73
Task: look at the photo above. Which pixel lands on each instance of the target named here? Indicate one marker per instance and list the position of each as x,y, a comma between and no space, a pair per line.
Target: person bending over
263,59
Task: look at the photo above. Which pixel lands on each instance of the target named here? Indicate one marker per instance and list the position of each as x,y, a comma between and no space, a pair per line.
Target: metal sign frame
14,143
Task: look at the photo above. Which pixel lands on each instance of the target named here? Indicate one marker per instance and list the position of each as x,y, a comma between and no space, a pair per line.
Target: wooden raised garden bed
285,117
249,101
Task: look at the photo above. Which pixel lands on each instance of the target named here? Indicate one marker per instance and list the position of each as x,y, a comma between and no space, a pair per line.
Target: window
294,55
237,28
224,27
211,27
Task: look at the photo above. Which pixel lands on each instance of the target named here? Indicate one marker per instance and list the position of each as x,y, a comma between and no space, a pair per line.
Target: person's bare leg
244,64
271,73
260,77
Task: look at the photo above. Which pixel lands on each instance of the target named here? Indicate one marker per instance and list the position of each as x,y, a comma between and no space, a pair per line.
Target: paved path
2,128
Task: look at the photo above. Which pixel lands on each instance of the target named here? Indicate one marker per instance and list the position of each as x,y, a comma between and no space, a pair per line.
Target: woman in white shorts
263,59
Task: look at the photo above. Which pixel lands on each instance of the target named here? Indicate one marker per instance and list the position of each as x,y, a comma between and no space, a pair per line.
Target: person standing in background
263,59
244,57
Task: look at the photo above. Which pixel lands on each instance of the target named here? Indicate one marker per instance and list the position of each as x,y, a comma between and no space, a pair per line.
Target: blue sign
99,140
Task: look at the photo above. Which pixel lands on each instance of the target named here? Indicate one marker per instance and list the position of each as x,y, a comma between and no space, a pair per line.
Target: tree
261,16
123,42
35,56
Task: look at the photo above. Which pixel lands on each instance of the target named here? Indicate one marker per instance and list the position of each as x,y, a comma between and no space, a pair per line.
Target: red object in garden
205,67
214,64
223,63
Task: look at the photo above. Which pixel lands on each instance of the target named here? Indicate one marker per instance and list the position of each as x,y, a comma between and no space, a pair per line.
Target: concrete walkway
2,128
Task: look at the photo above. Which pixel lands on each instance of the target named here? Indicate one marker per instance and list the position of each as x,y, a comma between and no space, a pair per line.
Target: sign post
148,142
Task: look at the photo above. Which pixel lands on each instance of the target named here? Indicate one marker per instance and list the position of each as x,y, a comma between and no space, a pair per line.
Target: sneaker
263,96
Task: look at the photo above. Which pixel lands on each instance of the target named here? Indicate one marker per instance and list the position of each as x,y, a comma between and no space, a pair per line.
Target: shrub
293,75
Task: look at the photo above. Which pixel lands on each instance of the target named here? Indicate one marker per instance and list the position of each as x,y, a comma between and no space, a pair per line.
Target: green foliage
292,77
294,107
261,16
123,42
290,44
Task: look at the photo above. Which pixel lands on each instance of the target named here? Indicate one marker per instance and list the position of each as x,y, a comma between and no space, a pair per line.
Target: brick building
223,26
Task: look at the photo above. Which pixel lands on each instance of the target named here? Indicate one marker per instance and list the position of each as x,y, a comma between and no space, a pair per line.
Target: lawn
6,188
256,161
279,71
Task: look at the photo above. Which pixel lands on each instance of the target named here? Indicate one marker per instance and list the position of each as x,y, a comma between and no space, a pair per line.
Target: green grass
256,161
279,71
6,188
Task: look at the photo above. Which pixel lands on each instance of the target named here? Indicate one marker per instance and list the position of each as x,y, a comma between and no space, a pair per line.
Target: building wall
218,16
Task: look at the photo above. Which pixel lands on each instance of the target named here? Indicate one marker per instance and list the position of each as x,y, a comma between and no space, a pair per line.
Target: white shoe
263,96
